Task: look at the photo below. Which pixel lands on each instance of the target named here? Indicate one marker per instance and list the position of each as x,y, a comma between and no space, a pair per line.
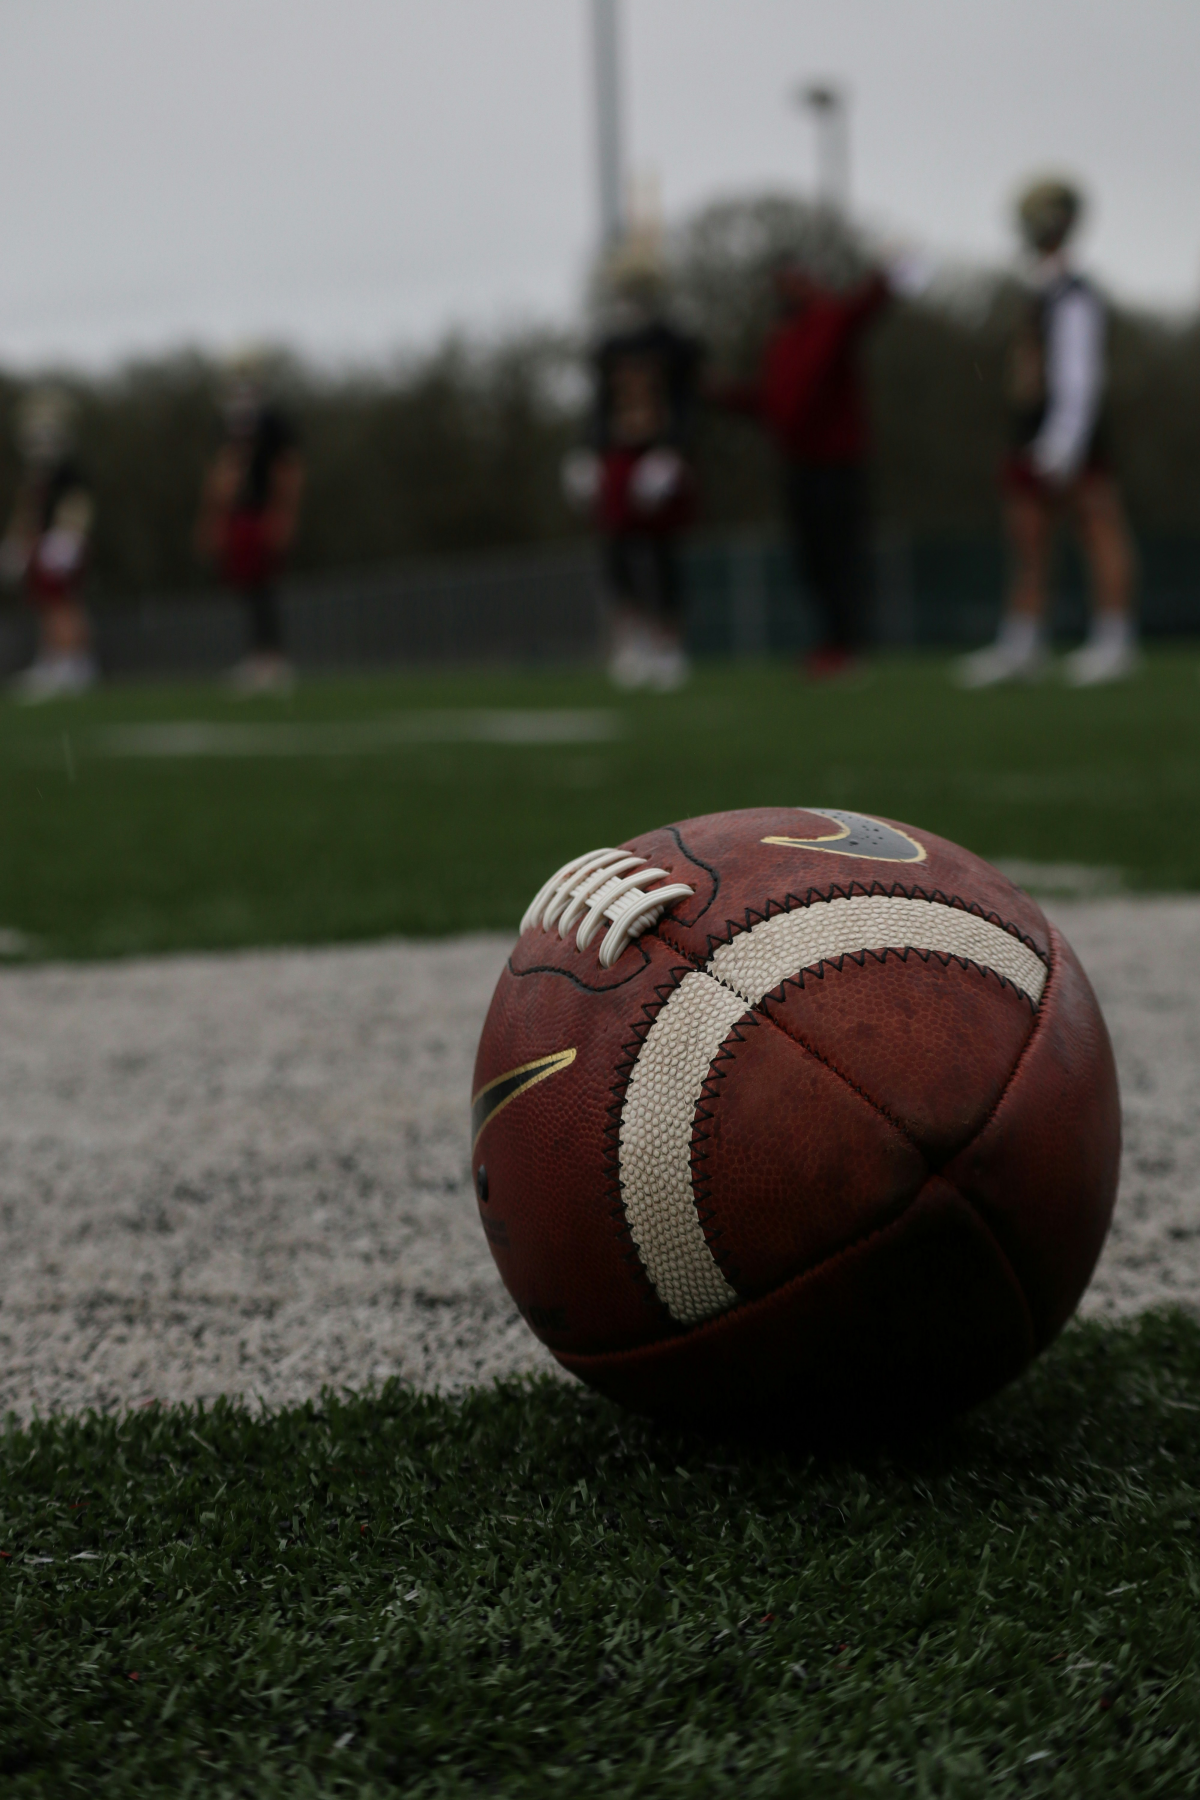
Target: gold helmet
245,373
1047,212
46,422
250,360
635,269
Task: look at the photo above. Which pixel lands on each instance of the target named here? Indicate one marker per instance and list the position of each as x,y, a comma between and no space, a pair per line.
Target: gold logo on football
857,835
496,1095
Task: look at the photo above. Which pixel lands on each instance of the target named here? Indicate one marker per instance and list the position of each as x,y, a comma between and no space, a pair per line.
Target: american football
793,1114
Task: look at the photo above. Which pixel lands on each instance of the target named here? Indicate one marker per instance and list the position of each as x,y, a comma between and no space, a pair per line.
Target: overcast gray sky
354,176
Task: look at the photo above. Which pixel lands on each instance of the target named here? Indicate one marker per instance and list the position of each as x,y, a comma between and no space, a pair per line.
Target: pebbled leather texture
776,1124
931,1038
922,1318
901,1166
1042,1172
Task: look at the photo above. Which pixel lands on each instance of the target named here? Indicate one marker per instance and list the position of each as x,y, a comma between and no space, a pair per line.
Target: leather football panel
552,1215
1043,1171
739,878
923,1318
789,1163
930,1041
545,951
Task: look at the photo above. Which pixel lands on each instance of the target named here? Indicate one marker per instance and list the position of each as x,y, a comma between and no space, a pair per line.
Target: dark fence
743,597
538,606
546,606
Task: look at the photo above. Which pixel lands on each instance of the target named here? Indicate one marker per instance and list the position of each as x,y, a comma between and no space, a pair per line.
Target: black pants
827,518
264,619
643,573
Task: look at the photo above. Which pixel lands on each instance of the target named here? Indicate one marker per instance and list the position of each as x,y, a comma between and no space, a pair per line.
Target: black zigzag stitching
903,952
627,1057
701,1185
896,890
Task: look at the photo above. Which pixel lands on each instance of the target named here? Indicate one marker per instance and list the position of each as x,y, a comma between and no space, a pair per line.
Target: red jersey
809,391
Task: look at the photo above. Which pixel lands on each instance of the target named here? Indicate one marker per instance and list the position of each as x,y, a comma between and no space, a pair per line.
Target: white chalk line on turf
181,738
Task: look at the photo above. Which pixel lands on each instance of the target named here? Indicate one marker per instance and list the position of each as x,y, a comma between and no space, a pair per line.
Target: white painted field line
1083,881
478,725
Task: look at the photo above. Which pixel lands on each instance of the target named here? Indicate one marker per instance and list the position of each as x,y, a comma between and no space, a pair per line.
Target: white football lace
599,886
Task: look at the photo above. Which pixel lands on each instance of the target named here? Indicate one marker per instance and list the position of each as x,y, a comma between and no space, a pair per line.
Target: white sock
1111,631
1019,634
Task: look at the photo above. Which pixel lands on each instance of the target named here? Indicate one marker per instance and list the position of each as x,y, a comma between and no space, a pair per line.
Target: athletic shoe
830,663
1100,661
53,678
40,681
631,664
79,673
1002,661
262,675
669,670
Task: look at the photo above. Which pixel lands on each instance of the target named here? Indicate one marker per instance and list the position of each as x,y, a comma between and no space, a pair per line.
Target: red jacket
809,389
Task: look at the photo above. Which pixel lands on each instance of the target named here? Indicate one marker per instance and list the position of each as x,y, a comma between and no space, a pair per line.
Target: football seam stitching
860,890
859,957
702,1201
903,951
717,1321
629,1054
1025,1050
613,1194
701,1184
847,1080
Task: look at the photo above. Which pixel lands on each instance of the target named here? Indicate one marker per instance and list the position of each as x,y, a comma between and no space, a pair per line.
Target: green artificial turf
528,1592
102,854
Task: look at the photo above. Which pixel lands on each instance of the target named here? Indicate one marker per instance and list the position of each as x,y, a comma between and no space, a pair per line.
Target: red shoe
830,661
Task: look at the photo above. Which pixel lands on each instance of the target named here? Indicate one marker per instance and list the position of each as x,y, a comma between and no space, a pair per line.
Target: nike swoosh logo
857,835
496,1095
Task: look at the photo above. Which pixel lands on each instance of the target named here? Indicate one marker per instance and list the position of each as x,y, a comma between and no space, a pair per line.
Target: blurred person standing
249,511
1058,467
45,547
635,480
809,396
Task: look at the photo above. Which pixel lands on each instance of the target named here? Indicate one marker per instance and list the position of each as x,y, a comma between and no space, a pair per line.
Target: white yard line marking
1063,879
476,725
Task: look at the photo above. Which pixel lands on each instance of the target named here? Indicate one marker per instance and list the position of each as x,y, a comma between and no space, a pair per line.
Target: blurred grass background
108,854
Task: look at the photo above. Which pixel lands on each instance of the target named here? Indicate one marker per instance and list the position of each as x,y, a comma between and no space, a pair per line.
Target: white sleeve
1074,378
60,551
910,273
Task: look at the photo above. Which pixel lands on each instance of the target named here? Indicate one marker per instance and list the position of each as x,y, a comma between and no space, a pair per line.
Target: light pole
606,78
828,106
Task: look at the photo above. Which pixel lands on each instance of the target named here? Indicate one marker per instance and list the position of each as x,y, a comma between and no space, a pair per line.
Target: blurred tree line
460,450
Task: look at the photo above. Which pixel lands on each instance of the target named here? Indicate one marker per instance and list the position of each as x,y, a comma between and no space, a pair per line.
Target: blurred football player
636,480
249,512
809,396
45,547
1058,468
